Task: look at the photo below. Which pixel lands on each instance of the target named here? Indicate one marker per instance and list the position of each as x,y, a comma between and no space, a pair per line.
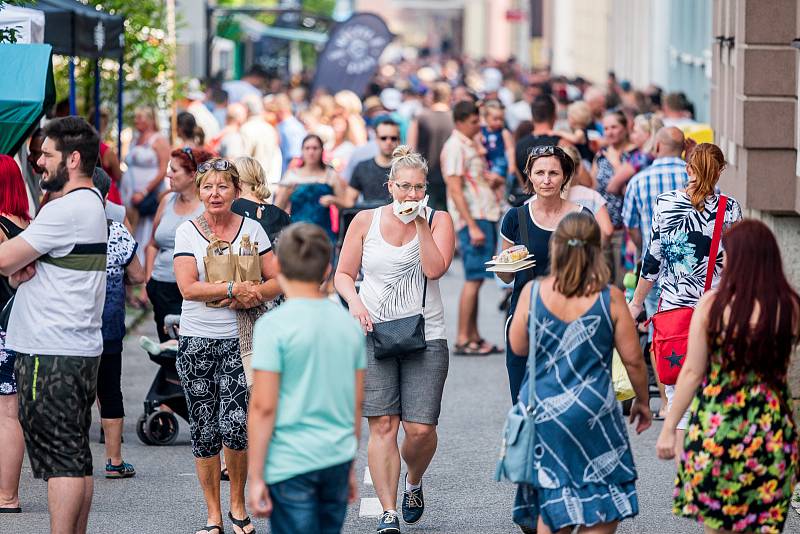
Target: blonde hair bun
404,157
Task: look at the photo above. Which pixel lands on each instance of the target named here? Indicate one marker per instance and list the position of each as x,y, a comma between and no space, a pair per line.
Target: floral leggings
216,392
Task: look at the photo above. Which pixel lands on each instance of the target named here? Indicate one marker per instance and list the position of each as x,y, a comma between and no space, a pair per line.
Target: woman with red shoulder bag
685,258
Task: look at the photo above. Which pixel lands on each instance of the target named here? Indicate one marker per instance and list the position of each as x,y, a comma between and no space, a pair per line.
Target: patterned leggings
213,381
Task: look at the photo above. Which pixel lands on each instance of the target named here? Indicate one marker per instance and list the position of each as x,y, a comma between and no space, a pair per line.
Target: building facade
755,116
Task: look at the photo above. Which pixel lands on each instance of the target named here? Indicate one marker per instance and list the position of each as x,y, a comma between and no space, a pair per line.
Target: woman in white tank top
396,254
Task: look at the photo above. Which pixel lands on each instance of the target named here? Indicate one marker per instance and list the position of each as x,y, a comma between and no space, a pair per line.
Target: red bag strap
715,239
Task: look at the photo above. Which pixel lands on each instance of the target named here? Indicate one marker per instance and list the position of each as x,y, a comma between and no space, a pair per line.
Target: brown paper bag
248,268
219,268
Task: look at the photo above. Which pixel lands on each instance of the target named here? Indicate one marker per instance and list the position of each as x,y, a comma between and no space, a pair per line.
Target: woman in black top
251,202
548,170
14,219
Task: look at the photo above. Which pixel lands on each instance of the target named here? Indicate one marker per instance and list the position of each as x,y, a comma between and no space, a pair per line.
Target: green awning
26,95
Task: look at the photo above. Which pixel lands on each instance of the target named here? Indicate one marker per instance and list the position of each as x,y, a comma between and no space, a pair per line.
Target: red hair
181,157
753,278
13,194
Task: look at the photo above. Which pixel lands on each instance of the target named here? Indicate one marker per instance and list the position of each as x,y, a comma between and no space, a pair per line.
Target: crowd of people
341,216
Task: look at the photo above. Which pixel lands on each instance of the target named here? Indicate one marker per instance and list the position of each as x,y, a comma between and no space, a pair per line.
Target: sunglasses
188,151
218,165
541,152
389,138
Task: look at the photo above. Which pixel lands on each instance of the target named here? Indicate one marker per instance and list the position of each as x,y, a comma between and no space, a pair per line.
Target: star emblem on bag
674,360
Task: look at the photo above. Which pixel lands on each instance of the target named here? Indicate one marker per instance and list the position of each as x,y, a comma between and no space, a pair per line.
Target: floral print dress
741,456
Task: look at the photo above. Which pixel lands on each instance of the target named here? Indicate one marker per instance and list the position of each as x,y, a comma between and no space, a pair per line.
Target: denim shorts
311,502
475,258
409,386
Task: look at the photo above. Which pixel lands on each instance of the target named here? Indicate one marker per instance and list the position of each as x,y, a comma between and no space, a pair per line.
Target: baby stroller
157,426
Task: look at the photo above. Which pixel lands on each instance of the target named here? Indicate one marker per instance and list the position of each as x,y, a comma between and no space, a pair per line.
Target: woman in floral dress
741,454
683,225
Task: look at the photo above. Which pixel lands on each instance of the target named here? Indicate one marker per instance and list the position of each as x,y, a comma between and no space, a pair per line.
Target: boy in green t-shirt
309,358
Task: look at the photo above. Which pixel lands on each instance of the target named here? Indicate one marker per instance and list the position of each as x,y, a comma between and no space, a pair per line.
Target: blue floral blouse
677,257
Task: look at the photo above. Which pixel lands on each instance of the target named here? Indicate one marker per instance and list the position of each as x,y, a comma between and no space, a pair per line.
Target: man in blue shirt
667,173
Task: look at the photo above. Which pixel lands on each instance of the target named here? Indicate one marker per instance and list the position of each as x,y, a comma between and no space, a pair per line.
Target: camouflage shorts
55,396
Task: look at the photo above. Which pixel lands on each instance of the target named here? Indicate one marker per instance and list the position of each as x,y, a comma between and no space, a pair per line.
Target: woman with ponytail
252,201
585,473
683,227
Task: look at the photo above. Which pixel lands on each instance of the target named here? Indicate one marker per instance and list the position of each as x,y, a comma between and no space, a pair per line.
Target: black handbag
401,337
149,204
5,314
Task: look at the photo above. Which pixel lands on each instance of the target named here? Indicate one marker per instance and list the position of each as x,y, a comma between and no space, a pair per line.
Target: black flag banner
350,57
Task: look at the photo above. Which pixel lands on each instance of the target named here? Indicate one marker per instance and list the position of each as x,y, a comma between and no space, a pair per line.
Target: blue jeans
311,502
475,257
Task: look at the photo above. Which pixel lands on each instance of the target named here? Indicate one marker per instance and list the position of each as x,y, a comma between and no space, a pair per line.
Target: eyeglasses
188,151
218,165
389,138
406,187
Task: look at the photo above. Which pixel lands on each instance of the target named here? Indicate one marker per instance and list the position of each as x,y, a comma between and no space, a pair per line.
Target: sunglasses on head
217,165
188,151
389,138
542,151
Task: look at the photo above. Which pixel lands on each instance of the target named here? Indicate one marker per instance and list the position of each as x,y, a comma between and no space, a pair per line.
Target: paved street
461,496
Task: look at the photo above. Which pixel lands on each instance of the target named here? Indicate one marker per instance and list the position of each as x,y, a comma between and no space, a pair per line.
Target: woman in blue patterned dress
308,192
584,466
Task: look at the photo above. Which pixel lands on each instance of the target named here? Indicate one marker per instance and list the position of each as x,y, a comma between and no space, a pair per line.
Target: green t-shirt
316,346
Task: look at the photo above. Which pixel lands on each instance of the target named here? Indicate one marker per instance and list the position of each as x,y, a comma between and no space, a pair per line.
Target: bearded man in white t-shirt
58,264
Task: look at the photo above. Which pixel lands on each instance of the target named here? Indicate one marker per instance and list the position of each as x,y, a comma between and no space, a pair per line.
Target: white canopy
29,23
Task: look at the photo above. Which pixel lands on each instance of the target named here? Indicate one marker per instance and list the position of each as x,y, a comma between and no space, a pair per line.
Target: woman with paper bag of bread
223,266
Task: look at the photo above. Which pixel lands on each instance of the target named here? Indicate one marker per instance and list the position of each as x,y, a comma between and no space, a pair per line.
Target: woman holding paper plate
402,249
549,170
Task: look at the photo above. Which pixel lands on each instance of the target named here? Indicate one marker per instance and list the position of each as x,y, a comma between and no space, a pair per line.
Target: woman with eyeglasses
549,170
308,192
402,249
181,204
209,362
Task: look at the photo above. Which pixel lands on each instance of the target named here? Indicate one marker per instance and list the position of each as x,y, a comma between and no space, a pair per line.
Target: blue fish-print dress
585,473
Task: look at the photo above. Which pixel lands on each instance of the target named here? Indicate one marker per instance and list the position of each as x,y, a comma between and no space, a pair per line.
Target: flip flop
494,349
471,348
16,510
241,523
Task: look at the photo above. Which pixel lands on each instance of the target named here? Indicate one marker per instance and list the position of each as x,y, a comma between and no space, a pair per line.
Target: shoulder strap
202,225
532,344
425,283
719,222
523,224
5,226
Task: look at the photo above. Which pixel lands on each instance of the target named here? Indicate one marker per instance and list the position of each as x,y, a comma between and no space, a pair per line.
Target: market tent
25,96
29,23
77,29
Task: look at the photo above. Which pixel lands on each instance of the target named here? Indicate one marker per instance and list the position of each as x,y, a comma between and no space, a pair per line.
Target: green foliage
148,62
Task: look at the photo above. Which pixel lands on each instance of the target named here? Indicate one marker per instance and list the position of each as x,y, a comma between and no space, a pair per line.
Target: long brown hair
753,278
707,163
576,258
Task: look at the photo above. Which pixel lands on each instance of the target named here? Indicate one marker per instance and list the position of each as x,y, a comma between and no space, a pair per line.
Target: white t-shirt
59,311
197,319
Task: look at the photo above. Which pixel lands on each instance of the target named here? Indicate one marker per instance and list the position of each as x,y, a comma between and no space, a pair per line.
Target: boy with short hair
309,358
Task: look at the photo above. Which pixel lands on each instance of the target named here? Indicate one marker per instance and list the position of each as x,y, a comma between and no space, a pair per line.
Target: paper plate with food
511,260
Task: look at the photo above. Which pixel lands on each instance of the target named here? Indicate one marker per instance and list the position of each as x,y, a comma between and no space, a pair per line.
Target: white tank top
393,282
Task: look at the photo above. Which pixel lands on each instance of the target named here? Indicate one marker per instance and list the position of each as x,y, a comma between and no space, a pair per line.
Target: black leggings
166,299
109,390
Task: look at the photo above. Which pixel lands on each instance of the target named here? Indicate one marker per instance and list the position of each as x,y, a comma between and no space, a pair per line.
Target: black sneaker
413,505
389,523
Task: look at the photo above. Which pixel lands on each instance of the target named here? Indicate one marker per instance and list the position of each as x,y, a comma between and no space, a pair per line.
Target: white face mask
411,209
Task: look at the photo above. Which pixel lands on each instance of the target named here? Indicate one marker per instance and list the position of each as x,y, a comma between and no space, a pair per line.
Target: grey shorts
410,386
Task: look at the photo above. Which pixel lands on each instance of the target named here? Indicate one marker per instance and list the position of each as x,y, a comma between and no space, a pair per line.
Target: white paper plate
529,257
511,267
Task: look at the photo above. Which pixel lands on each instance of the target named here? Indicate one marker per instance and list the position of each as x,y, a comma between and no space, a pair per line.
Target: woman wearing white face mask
402,249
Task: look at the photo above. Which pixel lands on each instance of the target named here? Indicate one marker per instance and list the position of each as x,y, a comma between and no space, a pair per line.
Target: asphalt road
461,496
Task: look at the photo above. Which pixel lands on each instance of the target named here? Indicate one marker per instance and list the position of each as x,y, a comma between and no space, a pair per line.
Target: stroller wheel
161,428
140,424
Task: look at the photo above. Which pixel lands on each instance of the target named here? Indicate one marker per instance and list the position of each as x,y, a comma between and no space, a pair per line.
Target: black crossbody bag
401,337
